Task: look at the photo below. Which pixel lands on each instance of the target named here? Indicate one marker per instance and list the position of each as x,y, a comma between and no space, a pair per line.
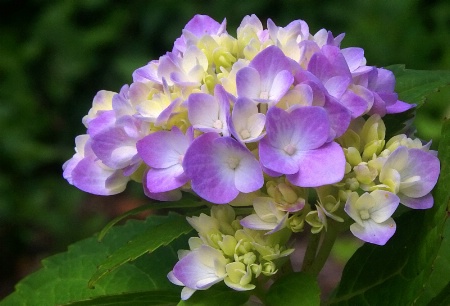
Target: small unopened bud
228,245
364,174
353,156
373,148
296,223
269,268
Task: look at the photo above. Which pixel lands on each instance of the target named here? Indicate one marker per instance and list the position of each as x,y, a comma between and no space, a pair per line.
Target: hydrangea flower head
279,121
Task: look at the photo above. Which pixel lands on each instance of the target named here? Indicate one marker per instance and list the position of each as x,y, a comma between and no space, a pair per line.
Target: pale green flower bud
350,139
372,148
225,215
228,245
195,242
204,224
352,156
256,269
214,239
223,58
236,225
286,196
269,268
239,276
210,82
348,168
248,258
243,247
317,219
373,130
364,174
296,223
351,183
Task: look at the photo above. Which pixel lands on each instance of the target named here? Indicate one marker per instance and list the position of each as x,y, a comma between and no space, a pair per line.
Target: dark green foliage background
55,55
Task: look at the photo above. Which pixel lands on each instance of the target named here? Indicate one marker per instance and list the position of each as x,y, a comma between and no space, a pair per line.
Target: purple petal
339,117
271,148
425,165
248,83
164,116
268,63
163,149
245,123
114,147
147,73
356,104
201,25
337,85
354,57
203,110
162,180
199,266
104,120
399,107
385,205
424,202
322,166
209,180
309,126
168,196
376,233
385,81
219,166
289,135
254,222
89,176
248,176
281,84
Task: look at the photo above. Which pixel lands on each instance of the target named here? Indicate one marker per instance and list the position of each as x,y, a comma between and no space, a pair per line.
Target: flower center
233,162
264,95
245,134
364,214
289,149
218,124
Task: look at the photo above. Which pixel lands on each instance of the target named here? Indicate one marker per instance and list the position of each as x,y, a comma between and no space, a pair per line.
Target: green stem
324,251
310,253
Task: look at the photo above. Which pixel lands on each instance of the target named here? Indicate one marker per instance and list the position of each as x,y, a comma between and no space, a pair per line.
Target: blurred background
55,56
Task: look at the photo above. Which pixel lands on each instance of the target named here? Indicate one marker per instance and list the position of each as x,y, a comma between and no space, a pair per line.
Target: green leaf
187,202
147,241
395,274
294,289
413,86
443,299
439,281
216,295
149,298
64,277
397,124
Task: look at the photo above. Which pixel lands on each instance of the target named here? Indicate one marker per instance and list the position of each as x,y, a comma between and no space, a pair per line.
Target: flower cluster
267,119
226,251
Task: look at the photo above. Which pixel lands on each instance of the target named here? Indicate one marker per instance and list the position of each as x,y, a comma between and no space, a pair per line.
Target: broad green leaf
294,289
149,298
64,277
413,86
395,274
216,295
439,281
397,124
443,298
146,242
187,202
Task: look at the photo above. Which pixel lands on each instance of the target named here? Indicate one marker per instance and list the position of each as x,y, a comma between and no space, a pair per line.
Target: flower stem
324,251
310,253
